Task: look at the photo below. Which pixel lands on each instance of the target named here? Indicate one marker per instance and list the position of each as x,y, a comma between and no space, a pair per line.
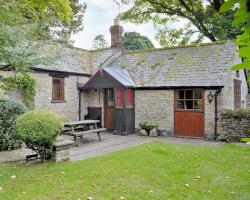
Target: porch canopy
109,77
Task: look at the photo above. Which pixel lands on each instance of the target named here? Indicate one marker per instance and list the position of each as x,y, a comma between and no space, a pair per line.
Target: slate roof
121,75
204,65
74,60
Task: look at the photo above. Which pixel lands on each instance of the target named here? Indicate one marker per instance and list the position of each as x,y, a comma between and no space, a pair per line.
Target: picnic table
79,128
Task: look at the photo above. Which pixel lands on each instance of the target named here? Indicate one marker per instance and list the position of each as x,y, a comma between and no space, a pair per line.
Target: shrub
39,129
9,111
235,124
148,125
245,140
223,137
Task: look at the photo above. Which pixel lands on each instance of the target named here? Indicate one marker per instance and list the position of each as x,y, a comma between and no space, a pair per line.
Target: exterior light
210,97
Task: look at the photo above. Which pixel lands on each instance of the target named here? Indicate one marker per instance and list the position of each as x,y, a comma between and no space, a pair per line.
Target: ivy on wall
25,84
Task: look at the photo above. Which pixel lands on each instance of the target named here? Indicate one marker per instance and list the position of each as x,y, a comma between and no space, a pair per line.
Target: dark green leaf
245,52
244,65
227,5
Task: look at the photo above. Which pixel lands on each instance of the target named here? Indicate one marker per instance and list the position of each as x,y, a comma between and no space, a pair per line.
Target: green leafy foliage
9,111
99,42
25,84
39,129
245,140
241,17
202,19
148,124
27,25
136,41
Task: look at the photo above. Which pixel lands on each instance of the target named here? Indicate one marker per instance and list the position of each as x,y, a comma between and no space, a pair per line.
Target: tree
136,41
242,16
203,18
76,21
99,42
27,24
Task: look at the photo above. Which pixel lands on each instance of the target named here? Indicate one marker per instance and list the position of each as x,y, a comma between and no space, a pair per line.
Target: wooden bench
31,157
80,134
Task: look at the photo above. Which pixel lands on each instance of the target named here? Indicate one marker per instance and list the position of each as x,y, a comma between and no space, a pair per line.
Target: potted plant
148,127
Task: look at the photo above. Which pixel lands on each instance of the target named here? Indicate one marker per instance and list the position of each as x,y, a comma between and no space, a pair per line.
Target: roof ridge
178,47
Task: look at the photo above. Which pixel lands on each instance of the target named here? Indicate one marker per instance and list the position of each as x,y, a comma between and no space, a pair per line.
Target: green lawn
152,171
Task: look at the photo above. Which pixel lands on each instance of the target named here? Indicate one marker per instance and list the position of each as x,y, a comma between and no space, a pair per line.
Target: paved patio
90,146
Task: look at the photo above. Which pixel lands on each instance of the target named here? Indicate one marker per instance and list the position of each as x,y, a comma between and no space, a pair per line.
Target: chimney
116,34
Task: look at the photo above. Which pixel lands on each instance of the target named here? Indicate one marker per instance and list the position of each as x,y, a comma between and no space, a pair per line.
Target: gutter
216,118
36,69
80,105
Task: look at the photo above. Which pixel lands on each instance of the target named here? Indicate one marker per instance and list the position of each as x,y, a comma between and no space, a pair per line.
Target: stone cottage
183,88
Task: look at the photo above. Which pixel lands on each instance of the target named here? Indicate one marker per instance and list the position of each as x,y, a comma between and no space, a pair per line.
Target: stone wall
248,101
68,110
155,104
209,115
235,124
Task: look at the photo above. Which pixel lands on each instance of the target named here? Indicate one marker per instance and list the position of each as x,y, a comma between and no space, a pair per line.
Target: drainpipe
216,118
80,105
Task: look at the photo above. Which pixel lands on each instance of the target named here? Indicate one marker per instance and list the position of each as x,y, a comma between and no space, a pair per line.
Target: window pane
189,104
181,94
180,105
119,102
130,97
58,93
189,94
197,94
198,104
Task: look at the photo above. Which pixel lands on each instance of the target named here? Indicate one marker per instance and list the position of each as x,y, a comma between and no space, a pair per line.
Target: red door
189,112
109,110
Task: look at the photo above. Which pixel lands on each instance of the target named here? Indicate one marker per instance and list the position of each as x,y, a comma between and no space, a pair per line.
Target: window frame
237,98
132,96
193,100
117,105
56,99
109,98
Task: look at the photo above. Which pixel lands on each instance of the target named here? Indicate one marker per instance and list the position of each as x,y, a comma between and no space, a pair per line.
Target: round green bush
39,129
9,111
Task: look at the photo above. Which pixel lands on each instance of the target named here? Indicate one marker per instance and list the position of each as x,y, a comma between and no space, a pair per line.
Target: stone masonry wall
248,101
235,124
155,104
68,110
209,115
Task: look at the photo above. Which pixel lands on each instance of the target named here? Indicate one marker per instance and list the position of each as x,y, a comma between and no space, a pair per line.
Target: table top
90,121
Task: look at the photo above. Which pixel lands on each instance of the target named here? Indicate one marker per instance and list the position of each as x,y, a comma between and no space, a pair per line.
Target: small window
130,96
119,101
57,89
109,97
190,99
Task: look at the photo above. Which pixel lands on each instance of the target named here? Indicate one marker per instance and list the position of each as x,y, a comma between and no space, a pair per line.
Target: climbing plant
25,84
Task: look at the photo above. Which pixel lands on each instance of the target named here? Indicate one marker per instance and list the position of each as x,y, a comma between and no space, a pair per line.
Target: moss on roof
177,47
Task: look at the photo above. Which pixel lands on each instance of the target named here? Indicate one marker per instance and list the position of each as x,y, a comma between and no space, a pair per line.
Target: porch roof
107,77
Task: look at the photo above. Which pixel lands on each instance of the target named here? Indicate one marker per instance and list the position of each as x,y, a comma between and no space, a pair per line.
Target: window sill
58,101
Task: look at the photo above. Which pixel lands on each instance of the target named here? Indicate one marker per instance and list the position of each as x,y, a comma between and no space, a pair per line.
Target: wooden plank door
189,112
109,110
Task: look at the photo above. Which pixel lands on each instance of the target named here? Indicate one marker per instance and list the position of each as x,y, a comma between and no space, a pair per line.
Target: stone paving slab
15,155
90,146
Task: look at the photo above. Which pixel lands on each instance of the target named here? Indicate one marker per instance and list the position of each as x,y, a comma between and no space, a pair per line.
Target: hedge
235,124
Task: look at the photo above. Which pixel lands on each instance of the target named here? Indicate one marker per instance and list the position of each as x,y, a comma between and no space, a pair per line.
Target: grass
152,171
